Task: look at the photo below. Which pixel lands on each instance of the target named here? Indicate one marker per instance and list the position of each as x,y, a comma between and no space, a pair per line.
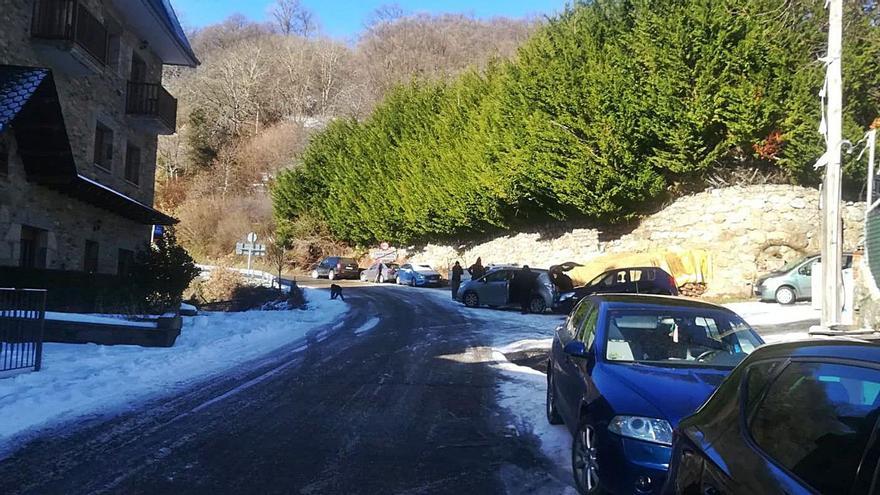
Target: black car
631,280
336,267
795,418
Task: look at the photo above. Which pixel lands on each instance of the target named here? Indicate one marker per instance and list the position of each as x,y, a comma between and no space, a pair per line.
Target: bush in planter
161,273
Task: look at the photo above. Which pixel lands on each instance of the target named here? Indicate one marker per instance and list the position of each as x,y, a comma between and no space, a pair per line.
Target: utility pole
831,243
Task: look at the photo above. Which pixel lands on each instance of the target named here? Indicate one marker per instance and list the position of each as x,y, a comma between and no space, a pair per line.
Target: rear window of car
815,421
678,336
347,261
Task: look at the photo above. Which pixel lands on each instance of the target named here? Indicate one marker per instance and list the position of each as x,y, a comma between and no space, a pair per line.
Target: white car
418,275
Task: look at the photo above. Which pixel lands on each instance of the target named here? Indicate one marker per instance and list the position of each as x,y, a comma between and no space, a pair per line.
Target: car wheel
537,305
315,274
412,282
785,295
471,299
331,275
584,456
397,280
552,414
381,279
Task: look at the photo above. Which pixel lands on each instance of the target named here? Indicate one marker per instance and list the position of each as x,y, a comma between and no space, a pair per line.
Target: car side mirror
577,349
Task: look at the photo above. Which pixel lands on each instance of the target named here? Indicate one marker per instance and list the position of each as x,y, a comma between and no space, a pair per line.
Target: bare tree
385,14
293,17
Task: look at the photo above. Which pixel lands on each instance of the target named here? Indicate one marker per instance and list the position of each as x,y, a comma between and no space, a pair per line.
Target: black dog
336,291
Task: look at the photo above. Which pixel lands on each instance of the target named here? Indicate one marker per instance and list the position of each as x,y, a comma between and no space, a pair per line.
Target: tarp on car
687,266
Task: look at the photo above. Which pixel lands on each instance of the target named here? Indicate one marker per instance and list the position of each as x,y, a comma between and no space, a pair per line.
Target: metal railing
69,20
22,314
152,100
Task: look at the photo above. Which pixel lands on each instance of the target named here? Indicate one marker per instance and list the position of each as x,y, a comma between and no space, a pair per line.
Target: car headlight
647,429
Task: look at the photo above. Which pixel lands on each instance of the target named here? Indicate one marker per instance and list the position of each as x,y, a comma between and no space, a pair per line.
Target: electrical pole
831,242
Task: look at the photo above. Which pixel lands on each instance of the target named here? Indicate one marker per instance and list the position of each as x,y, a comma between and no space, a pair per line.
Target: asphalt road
381,412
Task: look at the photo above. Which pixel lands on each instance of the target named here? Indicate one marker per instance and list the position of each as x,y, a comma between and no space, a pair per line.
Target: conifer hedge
603,110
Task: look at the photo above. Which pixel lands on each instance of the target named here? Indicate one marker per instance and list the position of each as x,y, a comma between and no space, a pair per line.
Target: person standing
476,270
455,279
522,287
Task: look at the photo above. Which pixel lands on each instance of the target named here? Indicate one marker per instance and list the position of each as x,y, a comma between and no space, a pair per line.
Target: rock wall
747,230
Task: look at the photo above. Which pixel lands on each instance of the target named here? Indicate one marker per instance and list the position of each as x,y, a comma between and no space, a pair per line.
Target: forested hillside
263,91
607,109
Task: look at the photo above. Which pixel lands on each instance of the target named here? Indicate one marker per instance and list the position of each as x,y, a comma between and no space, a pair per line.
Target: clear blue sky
345,18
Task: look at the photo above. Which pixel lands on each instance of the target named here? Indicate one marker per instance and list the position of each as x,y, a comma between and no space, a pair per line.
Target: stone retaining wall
747,230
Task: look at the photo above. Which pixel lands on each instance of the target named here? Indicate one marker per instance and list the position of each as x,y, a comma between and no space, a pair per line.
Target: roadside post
831,127
251,249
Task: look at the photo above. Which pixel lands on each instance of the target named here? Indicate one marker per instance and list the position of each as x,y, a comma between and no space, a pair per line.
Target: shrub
161,273
222,285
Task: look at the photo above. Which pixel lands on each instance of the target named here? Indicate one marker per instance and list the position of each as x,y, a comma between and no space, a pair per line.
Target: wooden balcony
72,26
151,103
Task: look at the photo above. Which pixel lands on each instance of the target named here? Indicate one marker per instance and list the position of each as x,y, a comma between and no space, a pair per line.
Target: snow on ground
85,380
366,327
763,314
508,325
117,320
521,391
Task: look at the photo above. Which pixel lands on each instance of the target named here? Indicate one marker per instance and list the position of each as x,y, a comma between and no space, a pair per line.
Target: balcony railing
152,100
69,20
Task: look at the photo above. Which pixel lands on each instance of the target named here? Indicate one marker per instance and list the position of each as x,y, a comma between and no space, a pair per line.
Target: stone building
81,106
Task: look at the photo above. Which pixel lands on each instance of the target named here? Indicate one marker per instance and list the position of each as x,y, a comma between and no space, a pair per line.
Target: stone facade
68,223
746,230
92,94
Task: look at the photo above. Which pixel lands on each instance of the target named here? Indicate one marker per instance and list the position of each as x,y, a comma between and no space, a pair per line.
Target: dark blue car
624,370
795,418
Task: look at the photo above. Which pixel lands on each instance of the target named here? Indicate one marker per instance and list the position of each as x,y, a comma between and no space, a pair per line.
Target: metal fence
22,314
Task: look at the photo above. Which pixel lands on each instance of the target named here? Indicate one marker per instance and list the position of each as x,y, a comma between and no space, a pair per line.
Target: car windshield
392,265
424,267
678,336
792,264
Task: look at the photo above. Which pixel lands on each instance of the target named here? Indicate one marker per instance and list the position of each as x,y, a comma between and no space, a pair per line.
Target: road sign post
251,249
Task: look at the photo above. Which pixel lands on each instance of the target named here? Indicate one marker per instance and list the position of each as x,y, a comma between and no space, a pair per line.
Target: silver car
493,290
793,282
380,272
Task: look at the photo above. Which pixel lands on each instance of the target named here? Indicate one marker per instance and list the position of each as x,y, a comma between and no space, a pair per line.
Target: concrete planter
163,335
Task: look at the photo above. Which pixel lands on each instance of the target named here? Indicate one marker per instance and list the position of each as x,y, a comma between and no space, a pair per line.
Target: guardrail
255,277
22,318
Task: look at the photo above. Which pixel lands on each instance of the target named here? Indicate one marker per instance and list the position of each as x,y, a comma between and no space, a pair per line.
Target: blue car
418,275
624,369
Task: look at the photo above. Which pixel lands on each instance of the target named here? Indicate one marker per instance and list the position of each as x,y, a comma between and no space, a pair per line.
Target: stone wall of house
90,94
746,230
68,223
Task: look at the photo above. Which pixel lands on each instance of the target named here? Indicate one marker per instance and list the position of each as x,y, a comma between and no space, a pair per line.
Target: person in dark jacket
455,279
562,281
476,270
522,287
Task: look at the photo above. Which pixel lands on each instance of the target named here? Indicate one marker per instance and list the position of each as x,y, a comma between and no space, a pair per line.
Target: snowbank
80,380
762,314
521,391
